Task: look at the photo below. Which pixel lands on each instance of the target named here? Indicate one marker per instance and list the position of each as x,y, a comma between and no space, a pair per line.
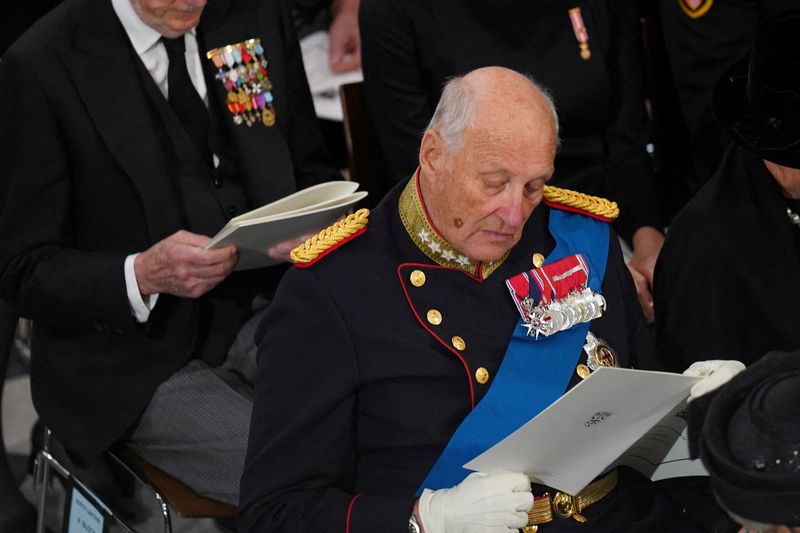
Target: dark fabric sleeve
302,458
43,271
628,175
310,156
688,322
396,91
665,299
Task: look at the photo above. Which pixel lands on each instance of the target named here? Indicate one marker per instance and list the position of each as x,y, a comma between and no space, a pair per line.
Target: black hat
757,100
750,440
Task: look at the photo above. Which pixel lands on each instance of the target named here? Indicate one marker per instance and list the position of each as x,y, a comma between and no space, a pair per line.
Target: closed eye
494,185
534,187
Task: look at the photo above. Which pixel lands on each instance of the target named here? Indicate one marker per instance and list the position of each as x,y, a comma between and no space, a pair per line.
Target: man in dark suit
132,130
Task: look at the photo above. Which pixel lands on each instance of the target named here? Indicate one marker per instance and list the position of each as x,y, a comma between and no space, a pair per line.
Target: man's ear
431,154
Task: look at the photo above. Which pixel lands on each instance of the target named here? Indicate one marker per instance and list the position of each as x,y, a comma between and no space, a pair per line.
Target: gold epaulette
330,238
582,203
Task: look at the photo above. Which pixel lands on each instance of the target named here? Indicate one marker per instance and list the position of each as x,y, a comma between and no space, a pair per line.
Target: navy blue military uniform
360,385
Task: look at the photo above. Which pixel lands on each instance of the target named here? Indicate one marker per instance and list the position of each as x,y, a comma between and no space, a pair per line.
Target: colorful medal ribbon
580,32
242,70
555,297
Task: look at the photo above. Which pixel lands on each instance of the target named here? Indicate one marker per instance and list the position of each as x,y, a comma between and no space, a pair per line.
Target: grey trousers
196,425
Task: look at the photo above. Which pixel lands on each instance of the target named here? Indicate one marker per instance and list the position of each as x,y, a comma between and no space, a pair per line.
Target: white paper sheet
583,433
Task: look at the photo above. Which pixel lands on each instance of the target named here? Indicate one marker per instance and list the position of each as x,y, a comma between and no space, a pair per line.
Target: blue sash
534,373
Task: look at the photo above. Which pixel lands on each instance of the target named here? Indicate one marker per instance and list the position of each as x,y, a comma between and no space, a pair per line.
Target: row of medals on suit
583,305
242,70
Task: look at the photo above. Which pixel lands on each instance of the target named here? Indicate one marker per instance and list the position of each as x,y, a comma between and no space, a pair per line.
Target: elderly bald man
395,352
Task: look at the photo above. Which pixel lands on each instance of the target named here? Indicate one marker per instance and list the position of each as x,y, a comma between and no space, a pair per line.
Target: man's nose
512,212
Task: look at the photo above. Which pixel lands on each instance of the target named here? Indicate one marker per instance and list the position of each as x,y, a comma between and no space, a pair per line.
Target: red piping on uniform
425,209
563,207
429,330
332,248
350,510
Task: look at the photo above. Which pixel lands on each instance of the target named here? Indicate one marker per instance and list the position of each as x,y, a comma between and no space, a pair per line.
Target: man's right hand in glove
483,503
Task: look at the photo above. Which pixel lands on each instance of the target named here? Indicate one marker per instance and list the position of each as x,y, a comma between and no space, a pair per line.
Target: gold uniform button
418,278
583,371
434,317
482,375
459,343
537,259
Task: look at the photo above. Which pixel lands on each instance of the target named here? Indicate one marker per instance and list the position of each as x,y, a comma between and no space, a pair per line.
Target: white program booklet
615,416
301,213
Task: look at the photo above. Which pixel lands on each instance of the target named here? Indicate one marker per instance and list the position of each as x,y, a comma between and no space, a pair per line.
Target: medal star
424,235
533,331
463,260
435,247
448,255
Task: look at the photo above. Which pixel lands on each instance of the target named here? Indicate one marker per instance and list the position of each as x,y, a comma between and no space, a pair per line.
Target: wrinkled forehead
532,142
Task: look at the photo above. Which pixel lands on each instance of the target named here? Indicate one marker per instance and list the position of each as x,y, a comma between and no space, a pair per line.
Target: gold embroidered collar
428,239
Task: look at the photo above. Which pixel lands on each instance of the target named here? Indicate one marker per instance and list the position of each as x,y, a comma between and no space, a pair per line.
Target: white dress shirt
147,44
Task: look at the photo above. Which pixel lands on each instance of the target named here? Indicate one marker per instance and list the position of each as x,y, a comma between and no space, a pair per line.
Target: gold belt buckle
566,506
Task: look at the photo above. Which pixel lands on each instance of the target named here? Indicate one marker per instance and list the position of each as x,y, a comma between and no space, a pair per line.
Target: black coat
89,177
357,393
728,279
411,47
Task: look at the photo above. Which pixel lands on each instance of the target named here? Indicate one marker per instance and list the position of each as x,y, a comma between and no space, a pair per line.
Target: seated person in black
133,131
728,280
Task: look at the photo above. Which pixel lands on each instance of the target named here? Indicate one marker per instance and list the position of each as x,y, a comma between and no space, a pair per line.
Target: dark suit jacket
728,278
87,180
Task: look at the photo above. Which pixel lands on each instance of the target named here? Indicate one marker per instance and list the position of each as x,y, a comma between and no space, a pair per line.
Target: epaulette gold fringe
330,237
582,202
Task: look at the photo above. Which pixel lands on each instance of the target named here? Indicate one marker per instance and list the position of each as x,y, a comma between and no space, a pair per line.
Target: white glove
482,503
715,373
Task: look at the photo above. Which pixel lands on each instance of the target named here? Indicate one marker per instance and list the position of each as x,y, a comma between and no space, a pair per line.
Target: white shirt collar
142,36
